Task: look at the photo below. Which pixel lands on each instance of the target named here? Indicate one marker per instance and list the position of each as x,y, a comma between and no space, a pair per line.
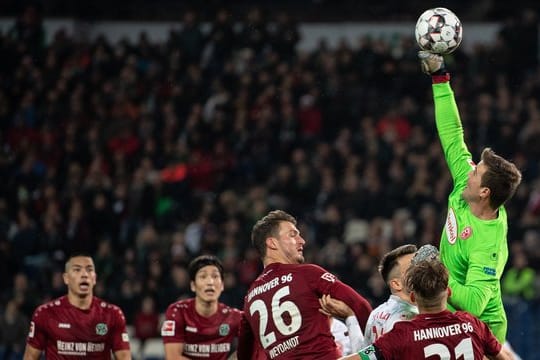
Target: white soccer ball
439,31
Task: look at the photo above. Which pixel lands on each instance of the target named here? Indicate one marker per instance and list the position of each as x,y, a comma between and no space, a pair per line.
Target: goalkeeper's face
474,191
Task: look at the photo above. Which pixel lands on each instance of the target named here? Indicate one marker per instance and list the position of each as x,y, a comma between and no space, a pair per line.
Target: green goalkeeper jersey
474,250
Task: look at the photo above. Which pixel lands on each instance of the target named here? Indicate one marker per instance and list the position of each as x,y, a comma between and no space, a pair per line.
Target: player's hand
431,63
334,307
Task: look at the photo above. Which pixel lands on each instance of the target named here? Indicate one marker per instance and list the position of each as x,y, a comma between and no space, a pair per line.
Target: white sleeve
339,331
356,337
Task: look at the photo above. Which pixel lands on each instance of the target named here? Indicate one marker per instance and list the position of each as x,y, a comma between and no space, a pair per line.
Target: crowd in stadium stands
147,155
307,10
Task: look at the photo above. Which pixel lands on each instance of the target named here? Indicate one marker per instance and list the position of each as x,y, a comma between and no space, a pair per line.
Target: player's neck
80,302
483,211
273,258
431,309
403,296
205,308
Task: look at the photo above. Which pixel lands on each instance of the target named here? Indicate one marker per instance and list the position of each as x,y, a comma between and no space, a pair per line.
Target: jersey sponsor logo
125,337
490,271
451,226
72,348
64,326
191,329
466,233
101,329
328,277
167,329
32,329
224,329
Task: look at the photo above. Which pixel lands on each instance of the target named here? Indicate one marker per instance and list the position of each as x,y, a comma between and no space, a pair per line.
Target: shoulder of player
49,305
307,269
106,306
181,305
226,309
463,315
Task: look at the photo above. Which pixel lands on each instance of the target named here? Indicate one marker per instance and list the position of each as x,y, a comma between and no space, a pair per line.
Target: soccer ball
439,31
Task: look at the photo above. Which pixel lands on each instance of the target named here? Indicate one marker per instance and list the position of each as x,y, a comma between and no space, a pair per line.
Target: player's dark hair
201,261
428,279
268,226
390,260
76,254
502,177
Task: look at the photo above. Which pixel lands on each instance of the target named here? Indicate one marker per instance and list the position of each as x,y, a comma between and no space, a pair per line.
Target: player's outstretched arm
359,305
31,353
503,355
122,355
337,308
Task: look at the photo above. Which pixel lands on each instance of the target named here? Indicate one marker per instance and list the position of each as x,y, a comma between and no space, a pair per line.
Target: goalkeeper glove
426,252
432,64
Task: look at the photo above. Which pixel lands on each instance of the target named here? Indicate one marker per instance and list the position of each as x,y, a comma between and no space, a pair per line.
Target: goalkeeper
473,244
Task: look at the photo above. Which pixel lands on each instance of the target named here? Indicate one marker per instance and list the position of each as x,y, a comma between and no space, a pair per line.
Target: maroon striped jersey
64,331
202,337
281,312
443,335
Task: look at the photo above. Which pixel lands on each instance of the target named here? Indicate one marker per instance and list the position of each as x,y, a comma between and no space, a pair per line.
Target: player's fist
430,63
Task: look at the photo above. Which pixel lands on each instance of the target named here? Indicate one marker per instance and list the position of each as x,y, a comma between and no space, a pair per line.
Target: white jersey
382,319
348,335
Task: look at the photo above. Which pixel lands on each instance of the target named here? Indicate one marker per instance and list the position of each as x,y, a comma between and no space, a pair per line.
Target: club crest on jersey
224,329
466,233
451,226
101,329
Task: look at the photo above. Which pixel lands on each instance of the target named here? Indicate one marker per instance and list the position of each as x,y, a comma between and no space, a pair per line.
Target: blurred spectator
13,331
28,32
23,294
519,279
190,39
146,321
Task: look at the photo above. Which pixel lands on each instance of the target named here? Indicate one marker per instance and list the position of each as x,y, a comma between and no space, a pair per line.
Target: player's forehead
80,261
481,167
207,269
287,226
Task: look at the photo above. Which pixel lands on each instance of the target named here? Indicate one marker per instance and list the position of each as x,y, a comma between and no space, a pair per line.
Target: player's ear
449,291
413,298
65,277
192,285
485,192
271,242
395,284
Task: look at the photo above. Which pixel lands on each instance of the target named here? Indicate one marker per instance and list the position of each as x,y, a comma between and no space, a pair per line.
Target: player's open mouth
210,291
84,286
